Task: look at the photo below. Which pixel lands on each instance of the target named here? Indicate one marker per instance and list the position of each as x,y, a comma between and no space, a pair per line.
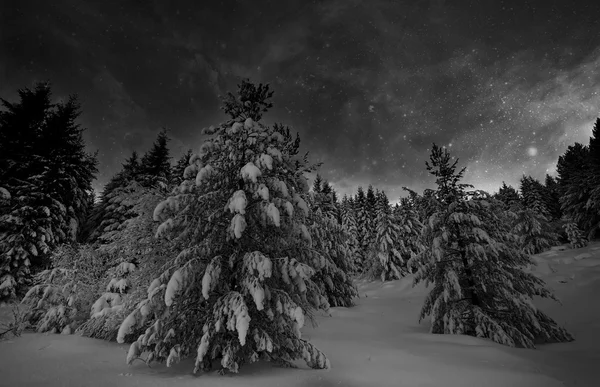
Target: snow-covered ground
377,343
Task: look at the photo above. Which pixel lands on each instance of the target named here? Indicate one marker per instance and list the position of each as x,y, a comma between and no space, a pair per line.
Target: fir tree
45,177
155,166
552,197
575,236
179,168
508,195
534,196
480,286
362,219
390,264
576,186
241,287
317,183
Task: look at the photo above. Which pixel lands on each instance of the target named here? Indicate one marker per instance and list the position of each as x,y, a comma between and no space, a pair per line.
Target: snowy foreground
377,343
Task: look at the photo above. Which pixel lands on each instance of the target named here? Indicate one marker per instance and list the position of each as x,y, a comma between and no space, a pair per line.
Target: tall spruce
245,278
480,283
45,182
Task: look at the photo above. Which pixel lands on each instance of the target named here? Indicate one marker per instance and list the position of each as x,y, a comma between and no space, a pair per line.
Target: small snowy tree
388,263
533,230
576,238
60,298
242,285
480,283
135,258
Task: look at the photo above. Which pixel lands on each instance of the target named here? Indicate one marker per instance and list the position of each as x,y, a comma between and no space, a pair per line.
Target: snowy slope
377,343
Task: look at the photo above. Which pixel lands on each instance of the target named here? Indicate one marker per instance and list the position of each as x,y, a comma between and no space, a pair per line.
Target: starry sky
506,86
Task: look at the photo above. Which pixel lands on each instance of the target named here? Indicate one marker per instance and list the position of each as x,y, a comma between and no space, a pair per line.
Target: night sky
505,85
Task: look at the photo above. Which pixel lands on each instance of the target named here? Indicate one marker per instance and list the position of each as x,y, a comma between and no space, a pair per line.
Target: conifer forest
331,193
224,255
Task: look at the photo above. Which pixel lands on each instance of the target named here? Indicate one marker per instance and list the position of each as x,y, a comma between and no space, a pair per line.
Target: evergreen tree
350,226
552,197
390,264
242,284
155,166
533,231
533,198
45,178
575,236
480,286
179,168
371,212
362,218
574,175
317,184
508,195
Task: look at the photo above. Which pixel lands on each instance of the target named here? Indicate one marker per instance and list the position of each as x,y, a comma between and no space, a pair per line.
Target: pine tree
155,166
362,218
134,258
390,263
508,195
317,183
61,297
242,285
480,286
179,168
575,236
573,169
350,226
552,197
45,177
371,211
532,194
534,232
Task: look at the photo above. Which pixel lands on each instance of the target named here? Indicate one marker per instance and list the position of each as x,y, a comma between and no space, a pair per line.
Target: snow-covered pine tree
592,205
480,285
371,212
61,297
575,236
389,263
533,196
180,166
107,214
155,166
241,287
573,169
533,230
508,195
336,245
46,178
362,218
552,197
135,257
351,229
410,232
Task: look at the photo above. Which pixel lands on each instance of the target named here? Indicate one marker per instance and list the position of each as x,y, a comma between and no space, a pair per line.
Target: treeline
225,253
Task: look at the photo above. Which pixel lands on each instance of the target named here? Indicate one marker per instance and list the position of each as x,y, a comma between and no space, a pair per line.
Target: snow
265,161
263,192
236,127
273,214
301,204
175,284
248,123
237,202
250,172
4,194
276,153
238,225
126,327
376,343
203,174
